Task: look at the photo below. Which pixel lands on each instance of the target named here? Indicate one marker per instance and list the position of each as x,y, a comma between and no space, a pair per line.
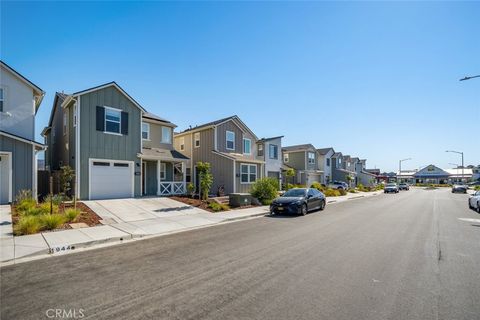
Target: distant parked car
339,185
474,183
403,186
299,201
391,188
459,188
474,201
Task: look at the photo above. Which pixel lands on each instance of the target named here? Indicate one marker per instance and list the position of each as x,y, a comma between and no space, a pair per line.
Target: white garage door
111,179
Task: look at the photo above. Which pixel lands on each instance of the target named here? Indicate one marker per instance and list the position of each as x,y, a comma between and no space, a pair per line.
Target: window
112,120
311,158
102,164
163,170
260,150
248,173
64,123
285,157
188,175
196,137
339,161
247,146
328,162
118,164
2,98
182,143
166,135
273,151
75,115
230,140
145,131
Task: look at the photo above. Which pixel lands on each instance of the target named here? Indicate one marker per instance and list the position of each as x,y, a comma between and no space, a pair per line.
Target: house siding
244,187
155,140
297,160
96,144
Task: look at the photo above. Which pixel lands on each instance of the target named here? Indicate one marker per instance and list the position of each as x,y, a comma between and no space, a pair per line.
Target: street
392,256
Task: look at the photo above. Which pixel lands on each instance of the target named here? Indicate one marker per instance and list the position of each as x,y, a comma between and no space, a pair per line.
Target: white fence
170,188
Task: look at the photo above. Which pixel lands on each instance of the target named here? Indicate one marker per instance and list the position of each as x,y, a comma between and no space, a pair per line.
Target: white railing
169,188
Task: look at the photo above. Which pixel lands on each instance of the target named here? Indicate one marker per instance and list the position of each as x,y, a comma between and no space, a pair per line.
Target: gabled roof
19,138
299,147
151,116
337,155
58,95
40,92
431,170
215,123
268,139
324,151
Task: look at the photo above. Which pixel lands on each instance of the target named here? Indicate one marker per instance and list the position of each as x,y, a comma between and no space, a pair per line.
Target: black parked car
299,201
459,188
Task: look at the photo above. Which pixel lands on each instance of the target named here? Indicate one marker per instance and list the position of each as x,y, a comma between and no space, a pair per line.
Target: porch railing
169,188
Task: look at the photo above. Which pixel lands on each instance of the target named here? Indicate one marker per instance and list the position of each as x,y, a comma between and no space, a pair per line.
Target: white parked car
474,201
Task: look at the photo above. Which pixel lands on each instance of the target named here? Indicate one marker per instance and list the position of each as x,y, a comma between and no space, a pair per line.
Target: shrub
28,225
35,211
352,191
52,221
45,207
342,192
25,204
476,188
265,189
332,193
206,178
23,195
71,214
190,189
318,186
56,199
288,186
218,206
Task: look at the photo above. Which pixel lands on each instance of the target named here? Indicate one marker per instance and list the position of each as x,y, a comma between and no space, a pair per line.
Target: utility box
239,199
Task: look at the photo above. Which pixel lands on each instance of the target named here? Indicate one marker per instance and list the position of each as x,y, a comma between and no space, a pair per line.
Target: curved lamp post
400,165
462,161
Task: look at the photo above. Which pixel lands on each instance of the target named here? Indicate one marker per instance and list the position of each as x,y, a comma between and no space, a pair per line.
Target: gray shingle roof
212,123
299,147
324,151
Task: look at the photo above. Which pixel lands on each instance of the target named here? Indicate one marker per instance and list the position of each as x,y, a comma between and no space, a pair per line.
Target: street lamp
462,160
468,78
400,165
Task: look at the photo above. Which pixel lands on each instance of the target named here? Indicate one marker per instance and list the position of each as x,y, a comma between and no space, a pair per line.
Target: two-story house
303,158
270,151
116,148
231,149
19,103
363,176
325,164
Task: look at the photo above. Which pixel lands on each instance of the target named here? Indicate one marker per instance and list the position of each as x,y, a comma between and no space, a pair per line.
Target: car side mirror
309,196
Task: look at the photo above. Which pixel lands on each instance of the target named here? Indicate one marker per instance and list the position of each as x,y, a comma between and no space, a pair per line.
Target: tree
206,179
66,178
349,180
290,173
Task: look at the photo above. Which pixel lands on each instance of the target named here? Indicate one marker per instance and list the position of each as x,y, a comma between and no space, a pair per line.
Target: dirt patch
197,203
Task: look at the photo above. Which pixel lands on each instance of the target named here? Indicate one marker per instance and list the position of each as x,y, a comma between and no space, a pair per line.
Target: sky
375,80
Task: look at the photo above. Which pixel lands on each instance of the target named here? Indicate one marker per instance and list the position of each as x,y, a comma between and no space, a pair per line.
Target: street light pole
463,165
400,166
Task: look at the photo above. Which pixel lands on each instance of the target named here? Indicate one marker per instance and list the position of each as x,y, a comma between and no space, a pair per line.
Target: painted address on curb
61,249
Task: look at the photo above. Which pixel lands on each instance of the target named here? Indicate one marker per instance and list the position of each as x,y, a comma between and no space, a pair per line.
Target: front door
5,178
144,178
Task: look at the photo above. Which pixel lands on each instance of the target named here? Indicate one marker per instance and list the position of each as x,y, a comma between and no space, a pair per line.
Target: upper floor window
145,131
273,151
311,158
2,98
196,137
260,150
166,135
182,143
328,162
112,120
339,161
230,140
285,157
247,146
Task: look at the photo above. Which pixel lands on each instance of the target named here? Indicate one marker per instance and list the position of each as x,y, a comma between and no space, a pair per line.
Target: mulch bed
197,203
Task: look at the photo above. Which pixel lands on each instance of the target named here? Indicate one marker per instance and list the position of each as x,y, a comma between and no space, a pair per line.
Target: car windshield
295,193
391,185
403,184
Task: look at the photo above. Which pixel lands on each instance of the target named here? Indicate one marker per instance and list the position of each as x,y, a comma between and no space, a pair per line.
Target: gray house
19,103
303,158
270,151
231,149
117,148
325,164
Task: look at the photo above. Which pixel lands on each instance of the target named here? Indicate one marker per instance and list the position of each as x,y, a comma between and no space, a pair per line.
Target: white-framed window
328,162
113,118
2,99
248,173
182,143
311,158
65,122
196,138
163,170
247,146
339,160
166,135
145,131
285,157
273,151
230,140
260,150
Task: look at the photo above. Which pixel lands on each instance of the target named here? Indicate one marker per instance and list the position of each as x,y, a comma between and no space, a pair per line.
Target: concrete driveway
138,209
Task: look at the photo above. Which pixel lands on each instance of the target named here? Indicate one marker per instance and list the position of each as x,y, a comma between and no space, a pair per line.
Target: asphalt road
396,256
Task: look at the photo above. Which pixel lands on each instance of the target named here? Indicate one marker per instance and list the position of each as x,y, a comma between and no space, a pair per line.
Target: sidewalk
130,225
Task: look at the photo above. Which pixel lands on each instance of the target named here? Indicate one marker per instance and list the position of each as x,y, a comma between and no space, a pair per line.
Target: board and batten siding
297,160
245,187
22,166
155,140
239,136
100,145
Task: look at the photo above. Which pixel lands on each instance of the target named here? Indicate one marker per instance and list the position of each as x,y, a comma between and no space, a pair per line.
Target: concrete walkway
124,220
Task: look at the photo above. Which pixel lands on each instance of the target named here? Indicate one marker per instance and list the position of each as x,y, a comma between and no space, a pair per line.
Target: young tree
206,179
290,173
66,179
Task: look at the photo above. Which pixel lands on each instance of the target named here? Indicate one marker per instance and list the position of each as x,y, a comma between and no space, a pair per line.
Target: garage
111,179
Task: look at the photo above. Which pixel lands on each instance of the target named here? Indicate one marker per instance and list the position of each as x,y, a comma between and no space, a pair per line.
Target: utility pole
400,166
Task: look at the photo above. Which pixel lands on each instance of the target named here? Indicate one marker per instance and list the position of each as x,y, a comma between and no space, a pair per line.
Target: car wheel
469,205
478,207
304,209
322,205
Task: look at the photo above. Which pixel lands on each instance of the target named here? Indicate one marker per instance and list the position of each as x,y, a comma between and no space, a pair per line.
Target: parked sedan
403,186
299,201
474,201
461,188
390,188
339,185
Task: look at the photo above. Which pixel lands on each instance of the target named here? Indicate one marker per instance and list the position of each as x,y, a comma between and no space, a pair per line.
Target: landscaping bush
56,199
332,193
476,188
318,186
218,206
52,221
28,225
342,192
45,207
71,214
206,178
25,204
23,195
265,190
352,191
35,211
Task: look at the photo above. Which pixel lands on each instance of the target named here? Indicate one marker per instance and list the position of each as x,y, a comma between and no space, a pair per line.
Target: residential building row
118,149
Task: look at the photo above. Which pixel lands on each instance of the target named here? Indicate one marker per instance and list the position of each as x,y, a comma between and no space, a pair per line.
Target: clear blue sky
375,80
